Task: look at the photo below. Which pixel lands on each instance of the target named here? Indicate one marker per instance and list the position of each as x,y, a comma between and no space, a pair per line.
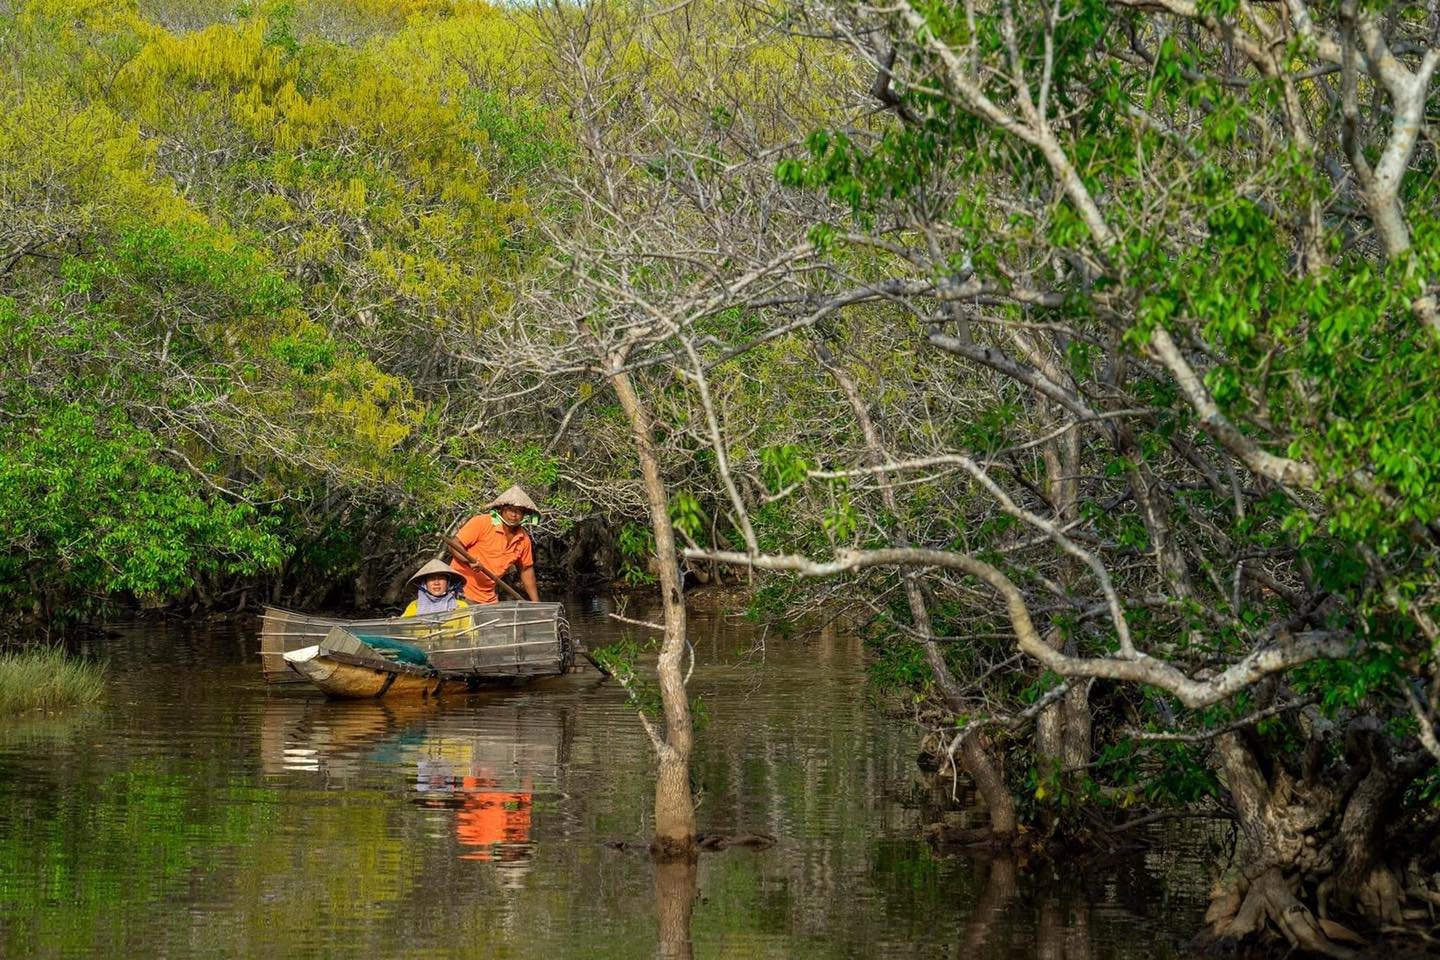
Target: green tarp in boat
395,649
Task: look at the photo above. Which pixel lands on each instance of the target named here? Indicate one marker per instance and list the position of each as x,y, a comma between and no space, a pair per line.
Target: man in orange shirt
498,541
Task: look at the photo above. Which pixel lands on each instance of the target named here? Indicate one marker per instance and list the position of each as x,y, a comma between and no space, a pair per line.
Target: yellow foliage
104,16
376,410
71,170
478,45
318,244
351,141
354,199
275,208
366,149
399,11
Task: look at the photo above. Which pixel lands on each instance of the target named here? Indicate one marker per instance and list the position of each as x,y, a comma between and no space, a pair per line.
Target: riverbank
47,678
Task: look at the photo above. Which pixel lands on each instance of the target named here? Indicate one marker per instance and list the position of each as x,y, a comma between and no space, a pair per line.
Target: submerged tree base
670,850
47,678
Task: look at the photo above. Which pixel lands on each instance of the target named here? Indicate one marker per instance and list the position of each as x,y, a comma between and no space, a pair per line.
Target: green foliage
526,137
1183,776
783,466
1344,685
533,465
636,544
687,515
88,509
1224,228
771,600
842,520
622,659
240,244
308,352
898,667
989,430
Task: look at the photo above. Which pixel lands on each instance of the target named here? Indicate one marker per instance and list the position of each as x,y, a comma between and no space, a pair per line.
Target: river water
198,813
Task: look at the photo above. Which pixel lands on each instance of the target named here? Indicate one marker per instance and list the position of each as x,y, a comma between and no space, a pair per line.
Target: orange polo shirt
496,547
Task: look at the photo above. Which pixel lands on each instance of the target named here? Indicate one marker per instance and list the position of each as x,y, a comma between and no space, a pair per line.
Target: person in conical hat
499,542
437,590
517,498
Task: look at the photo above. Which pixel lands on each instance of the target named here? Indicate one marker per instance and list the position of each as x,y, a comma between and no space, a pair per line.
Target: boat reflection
483,759
332,738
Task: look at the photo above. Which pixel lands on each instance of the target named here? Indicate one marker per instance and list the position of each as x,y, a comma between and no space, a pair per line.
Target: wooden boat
345,666
417,656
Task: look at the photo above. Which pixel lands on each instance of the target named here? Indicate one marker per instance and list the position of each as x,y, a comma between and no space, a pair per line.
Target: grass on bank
46,678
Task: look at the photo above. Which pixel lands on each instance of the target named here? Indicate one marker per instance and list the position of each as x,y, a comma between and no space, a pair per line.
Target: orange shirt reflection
490,824
495,823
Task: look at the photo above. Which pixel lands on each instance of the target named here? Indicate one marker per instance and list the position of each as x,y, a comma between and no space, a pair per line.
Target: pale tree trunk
1078,742
674,806
1296,829
1062,731
975,755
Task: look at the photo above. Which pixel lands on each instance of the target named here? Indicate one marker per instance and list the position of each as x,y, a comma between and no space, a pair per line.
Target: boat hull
354,681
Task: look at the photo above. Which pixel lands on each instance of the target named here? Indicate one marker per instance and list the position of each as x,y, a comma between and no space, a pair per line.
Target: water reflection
997,890
198,813
676,889
337,739
479,760
492,824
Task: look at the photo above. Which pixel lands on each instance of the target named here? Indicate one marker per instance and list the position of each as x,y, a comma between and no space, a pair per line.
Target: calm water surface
198,813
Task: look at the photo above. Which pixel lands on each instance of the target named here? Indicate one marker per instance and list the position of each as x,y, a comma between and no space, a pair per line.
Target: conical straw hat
514,497
437,568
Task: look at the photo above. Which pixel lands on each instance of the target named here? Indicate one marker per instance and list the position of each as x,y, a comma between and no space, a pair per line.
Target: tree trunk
976,756
1078,742
1062,731
674,806
1320,833
978,760
1364,883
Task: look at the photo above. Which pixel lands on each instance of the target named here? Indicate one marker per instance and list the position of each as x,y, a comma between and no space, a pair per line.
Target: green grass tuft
46,678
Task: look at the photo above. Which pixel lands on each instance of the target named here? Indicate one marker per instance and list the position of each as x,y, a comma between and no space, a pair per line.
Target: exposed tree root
1379,896
1248,912
703,843
723,841
1319,844
1316,846
978,838
670,849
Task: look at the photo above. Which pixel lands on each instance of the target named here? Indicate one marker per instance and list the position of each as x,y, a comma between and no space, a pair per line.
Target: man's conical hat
437,568
514,497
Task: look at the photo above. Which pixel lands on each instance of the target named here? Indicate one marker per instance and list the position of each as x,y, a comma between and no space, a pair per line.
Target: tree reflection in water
676,888
999,889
